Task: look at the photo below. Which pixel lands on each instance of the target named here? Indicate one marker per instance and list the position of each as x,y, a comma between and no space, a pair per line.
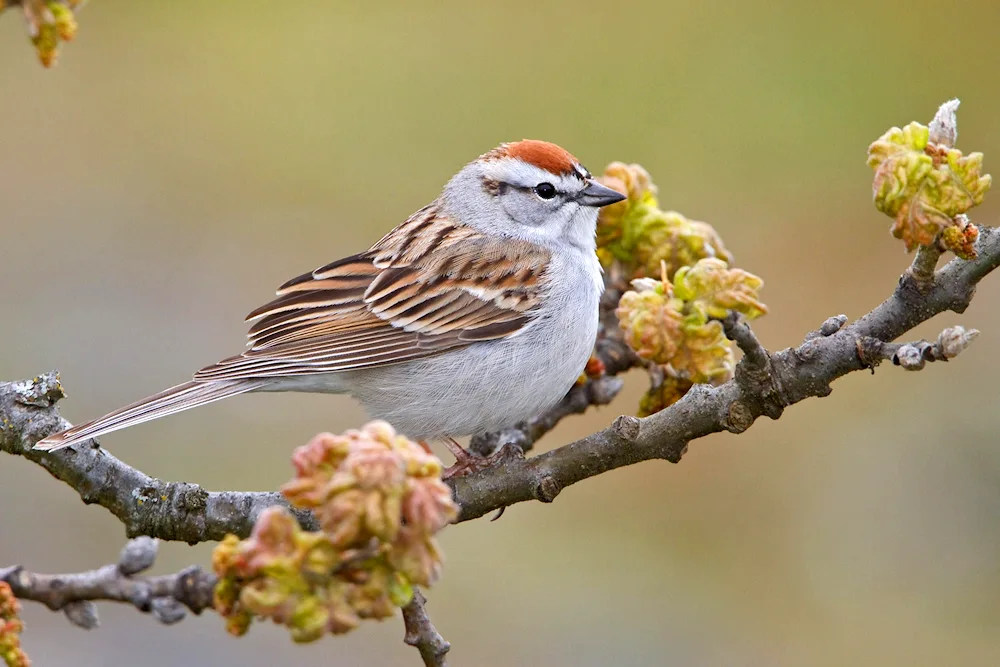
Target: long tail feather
167,402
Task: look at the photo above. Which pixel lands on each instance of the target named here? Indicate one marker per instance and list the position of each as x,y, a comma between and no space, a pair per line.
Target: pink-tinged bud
379,499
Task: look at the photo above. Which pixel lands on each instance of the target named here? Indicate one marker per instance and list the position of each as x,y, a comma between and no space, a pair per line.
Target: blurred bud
954,340
640,236
665,392
238,624
594,369
379,499
910,357
46,42
400,590
137,555
64,20
280,572
309,620
371,595
923,182
167,610
10,629
944,126
417,557
82,614
49,22
427,505
355,482
9,605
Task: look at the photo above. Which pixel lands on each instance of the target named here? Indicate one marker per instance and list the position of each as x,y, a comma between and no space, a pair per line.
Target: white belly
483,387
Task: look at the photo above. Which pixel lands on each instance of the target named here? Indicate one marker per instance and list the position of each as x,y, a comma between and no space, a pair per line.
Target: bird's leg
467,462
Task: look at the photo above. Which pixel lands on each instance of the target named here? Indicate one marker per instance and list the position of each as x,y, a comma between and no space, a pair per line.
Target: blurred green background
184,158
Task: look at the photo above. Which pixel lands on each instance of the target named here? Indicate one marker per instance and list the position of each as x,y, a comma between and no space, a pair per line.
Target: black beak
598,195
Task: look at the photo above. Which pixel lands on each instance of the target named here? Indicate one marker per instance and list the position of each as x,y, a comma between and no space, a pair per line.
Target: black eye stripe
522,188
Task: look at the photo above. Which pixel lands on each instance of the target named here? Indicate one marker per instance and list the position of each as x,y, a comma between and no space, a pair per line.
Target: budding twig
167,597
192,514
422,634
914,356
924,265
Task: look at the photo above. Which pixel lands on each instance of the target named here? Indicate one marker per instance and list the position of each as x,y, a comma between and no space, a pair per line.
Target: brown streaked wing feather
428,286
345,271
497,282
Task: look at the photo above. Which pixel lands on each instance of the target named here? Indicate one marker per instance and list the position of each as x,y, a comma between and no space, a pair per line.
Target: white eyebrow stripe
516,172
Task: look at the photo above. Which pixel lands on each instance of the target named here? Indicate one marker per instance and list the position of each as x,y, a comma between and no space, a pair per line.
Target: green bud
960,238
706,357
667,391
400,590
309,620
711,289
641,237
923,185
11,626
651,320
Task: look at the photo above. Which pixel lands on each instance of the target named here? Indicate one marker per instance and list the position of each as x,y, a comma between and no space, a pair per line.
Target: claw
467,463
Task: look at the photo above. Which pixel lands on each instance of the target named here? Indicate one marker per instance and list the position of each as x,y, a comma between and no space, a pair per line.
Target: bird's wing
430,285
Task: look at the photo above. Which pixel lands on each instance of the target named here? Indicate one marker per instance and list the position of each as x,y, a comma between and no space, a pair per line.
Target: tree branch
422,634
914,356
166,596
145,505
764,384
597,391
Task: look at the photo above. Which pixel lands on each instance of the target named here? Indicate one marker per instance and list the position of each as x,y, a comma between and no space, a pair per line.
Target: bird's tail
167,402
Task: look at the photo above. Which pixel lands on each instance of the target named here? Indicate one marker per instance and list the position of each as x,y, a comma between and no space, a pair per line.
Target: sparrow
477,312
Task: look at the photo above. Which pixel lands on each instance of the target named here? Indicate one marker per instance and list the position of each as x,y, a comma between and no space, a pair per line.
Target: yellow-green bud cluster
925,187
10,629
49,23
675,325
379,499
665,390
640,237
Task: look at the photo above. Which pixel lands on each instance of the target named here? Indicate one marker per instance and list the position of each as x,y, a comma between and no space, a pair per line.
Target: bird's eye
545,190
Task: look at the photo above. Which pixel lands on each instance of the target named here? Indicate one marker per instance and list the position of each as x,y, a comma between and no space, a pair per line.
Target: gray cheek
526,209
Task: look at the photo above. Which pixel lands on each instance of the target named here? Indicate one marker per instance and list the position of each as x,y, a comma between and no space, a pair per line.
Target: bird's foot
467,463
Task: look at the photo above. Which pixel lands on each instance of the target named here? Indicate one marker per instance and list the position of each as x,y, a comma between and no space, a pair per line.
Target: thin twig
914,356
924,265
164,596
422,634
